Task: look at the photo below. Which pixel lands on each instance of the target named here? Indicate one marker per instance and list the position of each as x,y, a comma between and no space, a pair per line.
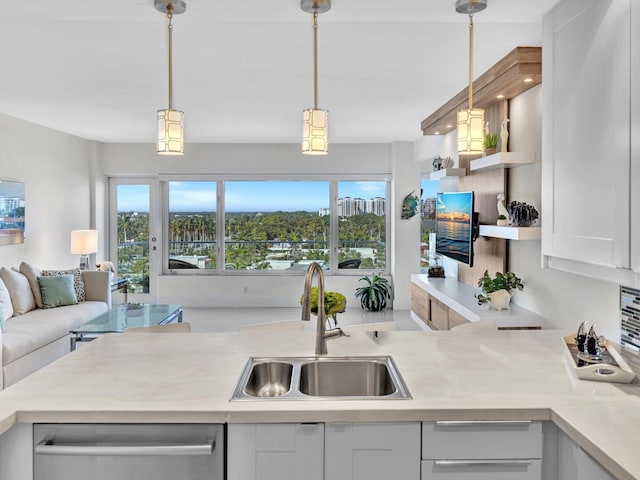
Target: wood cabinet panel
439,314
420,303
455,319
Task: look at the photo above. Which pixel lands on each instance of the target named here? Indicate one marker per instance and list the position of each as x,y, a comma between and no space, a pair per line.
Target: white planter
500,299
502,223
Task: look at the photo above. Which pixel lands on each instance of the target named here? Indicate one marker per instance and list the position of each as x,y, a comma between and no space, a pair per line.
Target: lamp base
84,262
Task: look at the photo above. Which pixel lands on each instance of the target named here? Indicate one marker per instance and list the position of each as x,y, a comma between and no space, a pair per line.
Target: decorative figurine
502,210
410,206
446,163
504,134
521,214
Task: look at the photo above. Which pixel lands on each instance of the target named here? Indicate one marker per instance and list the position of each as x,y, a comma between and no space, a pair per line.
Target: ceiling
243,68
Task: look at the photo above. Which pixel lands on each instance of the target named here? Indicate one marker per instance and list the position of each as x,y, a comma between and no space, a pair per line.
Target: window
192,225
275,226
362,224
429,189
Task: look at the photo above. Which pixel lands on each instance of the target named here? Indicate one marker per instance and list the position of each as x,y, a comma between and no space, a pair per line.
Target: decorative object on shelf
502,210
436,270
84,243
315,121
470,120
105,266
490,143
374,295
447,162
504,134
12,223
521,214
437,163
497,291
170,121
334,303
410,205
502,221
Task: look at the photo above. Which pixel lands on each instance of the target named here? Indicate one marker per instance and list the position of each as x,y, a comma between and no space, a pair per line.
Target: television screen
454,226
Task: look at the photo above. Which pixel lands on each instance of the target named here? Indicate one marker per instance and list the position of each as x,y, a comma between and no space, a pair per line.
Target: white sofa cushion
19,289
24,334
6,309
32,273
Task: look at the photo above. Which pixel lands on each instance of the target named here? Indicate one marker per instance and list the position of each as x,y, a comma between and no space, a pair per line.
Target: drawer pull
457,463
48,447
460,423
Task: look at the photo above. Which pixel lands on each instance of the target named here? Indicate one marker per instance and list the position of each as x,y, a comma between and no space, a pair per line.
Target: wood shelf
511,233
447,173
502,160
515,73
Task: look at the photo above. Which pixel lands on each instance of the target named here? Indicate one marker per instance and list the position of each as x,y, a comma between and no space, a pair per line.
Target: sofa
35,323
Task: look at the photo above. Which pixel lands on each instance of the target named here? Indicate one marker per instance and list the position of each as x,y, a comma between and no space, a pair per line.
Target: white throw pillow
32,273
6,309
20,291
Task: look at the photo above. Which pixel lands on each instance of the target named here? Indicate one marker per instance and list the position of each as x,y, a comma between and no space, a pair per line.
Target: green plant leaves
374,295
502,281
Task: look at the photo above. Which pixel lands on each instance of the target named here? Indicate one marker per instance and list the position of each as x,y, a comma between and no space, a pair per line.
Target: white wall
55,169
564,299
255,160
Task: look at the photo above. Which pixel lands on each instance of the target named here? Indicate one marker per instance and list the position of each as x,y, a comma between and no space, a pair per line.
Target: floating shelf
511,233
448,172
502,160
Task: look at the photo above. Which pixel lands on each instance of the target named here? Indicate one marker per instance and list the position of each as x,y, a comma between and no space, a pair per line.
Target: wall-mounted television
455,226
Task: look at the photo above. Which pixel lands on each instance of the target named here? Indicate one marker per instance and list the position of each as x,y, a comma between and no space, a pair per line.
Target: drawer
481,470
481,440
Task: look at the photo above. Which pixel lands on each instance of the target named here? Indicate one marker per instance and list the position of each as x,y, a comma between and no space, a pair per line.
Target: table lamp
83,243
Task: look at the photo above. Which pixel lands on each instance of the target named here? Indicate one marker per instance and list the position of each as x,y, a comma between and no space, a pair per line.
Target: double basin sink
320,378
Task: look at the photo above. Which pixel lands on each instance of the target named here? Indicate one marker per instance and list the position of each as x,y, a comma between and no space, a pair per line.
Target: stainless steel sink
320,378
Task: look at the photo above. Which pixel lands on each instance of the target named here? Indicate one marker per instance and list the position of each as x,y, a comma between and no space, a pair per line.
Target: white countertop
459,297
467,375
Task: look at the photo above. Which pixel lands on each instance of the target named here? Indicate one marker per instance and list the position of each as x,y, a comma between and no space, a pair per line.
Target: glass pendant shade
170,132
471,131
315,132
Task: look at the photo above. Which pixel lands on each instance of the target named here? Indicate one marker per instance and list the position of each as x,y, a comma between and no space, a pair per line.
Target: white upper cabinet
586,134
635,137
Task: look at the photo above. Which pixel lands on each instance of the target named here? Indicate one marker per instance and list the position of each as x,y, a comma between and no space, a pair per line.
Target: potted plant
334,303
497,291
502,221
374,295
491,143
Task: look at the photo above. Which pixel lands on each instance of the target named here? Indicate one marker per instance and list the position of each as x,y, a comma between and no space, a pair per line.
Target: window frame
220,180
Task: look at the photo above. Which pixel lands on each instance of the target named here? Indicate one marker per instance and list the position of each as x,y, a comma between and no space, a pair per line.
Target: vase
490,151
500,299
502,223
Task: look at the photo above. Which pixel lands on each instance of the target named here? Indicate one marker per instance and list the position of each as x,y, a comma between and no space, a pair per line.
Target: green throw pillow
57,291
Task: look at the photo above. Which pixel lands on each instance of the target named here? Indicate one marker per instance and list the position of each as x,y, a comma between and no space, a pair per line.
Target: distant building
348,207
429,208
324,212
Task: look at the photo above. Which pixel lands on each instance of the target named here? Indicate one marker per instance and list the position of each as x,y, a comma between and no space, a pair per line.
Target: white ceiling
243,68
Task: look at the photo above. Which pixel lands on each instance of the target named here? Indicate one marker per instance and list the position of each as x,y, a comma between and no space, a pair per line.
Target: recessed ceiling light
449,126
436,133
528,80
500,96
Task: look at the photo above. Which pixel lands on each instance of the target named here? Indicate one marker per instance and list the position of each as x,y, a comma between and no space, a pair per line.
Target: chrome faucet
322,335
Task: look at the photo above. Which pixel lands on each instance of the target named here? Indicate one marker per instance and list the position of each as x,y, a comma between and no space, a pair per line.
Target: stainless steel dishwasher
128,452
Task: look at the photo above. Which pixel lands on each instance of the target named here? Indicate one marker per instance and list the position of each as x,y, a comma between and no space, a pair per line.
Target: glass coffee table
121,317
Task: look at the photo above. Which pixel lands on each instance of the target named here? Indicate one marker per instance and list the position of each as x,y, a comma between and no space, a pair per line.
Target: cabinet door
635,138
585,132
575,464
275,452
372,451
439,314
16,453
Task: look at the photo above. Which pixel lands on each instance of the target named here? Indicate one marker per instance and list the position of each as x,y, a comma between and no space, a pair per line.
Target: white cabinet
482,450
275,451
16,453
575,464
372,451
586,164
369,451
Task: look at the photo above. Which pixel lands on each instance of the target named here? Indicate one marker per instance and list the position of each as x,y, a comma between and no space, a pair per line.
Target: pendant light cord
470,61
170,28
315,60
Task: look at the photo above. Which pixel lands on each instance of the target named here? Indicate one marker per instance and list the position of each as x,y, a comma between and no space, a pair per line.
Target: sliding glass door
133,235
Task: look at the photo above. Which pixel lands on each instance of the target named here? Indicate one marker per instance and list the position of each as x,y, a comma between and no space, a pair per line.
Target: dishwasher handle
50,447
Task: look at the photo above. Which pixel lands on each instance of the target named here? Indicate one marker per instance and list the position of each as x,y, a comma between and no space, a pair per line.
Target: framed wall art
11,212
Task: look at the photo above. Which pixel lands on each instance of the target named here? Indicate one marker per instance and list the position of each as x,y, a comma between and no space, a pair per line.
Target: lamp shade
315,131
170,132
84,242
471,131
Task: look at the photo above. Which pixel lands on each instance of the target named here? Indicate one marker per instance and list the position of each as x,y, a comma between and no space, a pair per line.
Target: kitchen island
467,375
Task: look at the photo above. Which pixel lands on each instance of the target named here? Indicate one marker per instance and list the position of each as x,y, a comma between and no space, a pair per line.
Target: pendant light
315,121
170,121
470,120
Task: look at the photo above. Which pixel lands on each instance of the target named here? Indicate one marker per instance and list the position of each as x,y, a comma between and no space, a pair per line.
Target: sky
264,196
457,202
